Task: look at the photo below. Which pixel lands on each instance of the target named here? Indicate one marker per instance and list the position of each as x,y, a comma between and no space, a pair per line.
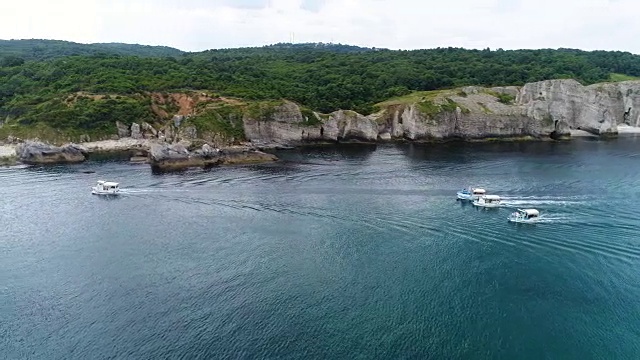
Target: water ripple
326,253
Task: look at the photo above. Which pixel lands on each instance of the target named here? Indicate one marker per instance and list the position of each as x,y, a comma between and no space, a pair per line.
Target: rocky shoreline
172,157
162,156
159,155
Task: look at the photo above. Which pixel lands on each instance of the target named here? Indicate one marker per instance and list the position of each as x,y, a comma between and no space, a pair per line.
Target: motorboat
488,201
524,216
470,193
106,188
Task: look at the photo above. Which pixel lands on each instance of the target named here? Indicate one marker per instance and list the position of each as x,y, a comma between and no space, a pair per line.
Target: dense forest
48,49
36,75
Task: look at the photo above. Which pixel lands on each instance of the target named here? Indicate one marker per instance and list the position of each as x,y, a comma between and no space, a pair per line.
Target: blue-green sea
335,252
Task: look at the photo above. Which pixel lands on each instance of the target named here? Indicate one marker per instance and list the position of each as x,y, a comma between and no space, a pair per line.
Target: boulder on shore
35,152
165,157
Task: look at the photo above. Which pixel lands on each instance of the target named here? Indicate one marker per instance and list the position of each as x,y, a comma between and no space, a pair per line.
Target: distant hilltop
40,49
35,49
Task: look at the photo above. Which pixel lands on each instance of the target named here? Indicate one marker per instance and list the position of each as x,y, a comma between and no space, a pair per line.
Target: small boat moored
488,201
106,188
470,193
524,216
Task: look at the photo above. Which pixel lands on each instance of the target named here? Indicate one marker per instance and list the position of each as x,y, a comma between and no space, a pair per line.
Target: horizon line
316,43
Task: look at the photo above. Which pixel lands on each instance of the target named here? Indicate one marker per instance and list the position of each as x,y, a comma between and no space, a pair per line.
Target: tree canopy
323,77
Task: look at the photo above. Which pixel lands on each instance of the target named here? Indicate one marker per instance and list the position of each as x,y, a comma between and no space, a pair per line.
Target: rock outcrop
550,109
597,108
123,130
135,131
287,126
34,152
165,157
353,126
469,116
148,132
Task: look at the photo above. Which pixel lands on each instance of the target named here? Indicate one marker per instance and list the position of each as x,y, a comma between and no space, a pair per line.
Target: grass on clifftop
415,97
502,97
615,77
429,103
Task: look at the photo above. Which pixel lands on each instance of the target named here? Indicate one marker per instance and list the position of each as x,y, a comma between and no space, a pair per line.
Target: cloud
399,24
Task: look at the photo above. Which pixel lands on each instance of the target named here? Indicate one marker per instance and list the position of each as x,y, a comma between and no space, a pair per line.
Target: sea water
333,252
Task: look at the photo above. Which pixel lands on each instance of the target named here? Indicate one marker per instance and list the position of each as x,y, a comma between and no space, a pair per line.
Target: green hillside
36,76
35,49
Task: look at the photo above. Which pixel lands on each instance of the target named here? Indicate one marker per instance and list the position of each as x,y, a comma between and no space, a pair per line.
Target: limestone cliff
542,110
597,108
467,113
287,125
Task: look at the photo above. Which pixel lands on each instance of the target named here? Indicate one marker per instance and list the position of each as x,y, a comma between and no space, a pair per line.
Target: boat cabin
479,192
529,213
107,186
491,198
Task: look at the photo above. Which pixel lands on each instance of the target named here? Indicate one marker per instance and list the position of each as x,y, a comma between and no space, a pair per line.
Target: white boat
524,216
106,188
470,193
488,201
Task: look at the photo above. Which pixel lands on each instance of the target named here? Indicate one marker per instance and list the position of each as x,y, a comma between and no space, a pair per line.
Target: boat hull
465,196
95,191
522,221
486,205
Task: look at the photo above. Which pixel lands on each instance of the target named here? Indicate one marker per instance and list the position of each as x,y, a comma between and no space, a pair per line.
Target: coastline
158,154
140,150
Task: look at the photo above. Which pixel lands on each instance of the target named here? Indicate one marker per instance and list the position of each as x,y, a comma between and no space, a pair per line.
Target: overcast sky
195,25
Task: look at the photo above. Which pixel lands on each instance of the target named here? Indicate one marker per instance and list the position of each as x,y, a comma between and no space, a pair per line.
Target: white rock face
287,126
353,126
541,109
123,130
135,131
597,108
630,93
409,123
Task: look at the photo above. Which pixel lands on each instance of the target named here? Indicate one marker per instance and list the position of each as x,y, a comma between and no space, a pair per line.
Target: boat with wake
524,216
488,201
106,188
